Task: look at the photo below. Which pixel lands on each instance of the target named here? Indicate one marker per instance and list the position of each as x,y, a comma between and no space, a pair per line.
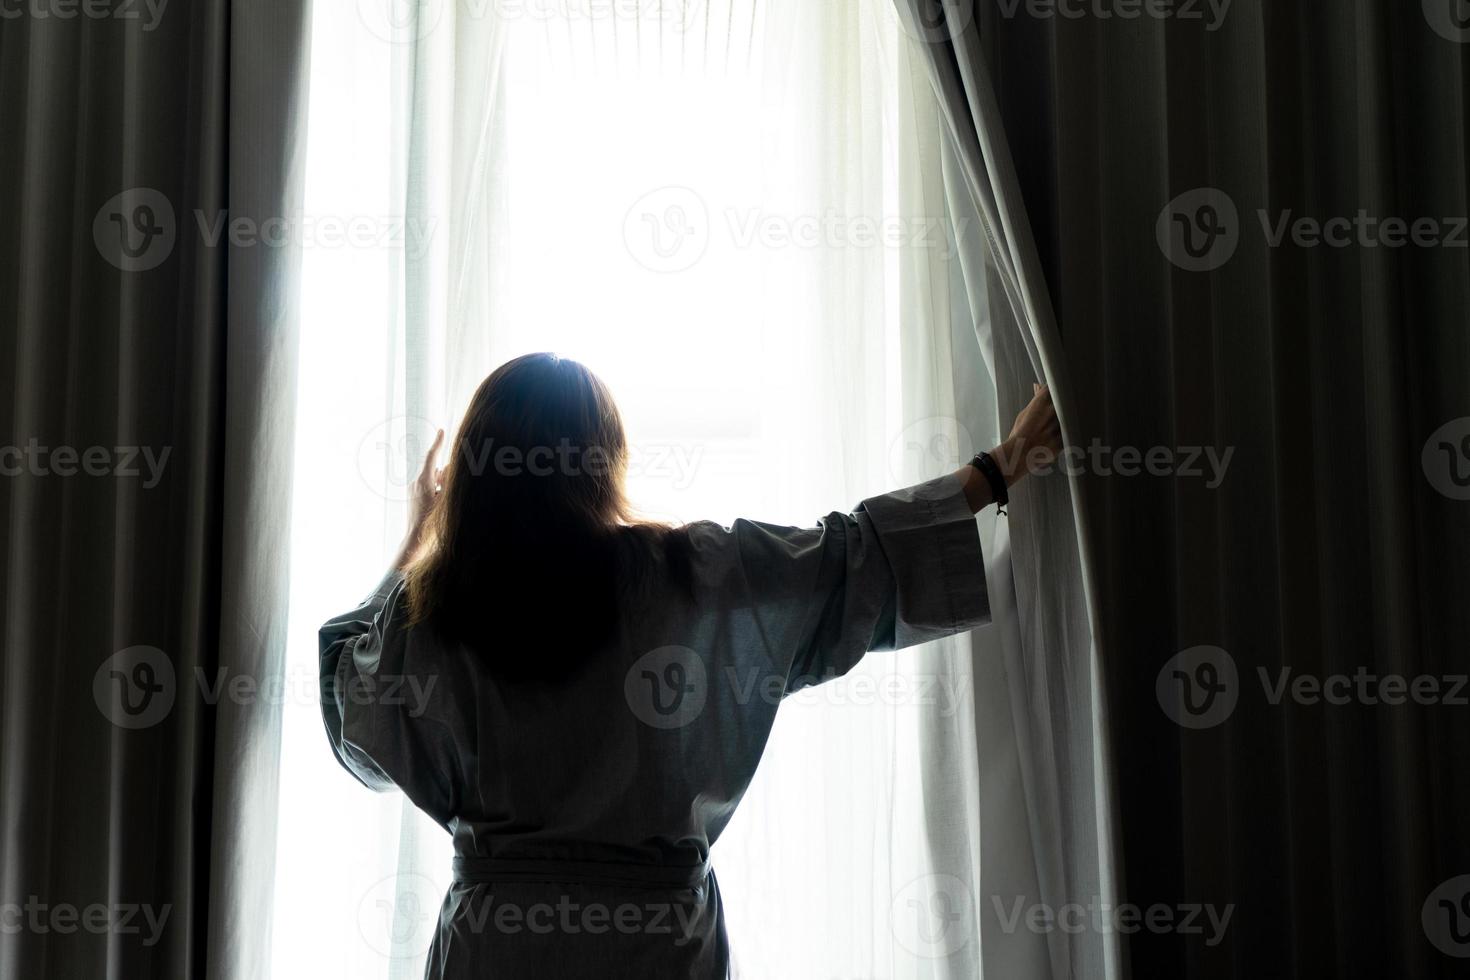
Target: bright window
714,214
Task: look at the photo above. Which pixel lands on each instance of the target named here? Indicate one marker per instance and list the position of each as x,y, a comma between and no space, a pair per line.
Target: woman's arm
1035,440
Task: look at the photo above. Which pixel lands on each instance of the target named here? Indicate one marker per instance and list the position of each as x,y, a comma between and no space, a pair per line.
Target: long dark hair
532,544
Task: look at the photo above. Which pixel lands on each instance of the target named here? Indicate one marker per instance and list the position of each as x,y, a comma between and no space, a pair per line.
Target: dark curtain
1336,544
145,405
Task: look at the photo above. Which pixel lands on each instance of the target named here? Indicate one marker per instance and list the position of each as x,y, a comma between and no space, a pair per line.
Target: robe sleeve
375,700
903,568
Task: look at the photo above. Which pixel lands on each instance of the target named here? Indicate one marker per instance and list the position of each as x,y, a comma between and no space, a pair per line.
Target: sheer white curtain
736,214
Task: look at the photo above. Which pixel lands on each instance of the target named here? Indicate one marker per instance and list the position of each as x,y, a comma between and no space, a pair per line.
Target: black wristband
992,474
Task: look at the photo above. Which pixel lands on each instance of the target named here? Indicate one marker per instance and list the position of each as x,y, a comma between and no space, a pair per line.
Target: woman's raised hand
1035,439
422,494
426,485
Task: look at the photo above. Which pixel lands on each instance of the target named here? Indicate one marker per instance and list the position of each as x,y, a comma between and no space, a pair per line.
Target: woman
594,692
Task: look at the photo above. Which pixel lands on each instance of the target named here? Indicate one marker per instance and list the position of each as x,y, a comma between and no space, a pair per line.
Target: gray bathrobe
583,813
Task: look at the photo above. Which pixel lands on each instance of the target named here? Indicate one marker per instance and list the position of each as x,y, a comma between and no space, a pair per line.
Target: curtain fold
1060,712
144,460
268,64
1335,373
403,107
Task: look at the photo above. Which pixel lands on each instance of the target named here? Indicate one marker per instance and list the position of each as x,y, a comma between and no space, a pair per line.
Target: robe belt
621,874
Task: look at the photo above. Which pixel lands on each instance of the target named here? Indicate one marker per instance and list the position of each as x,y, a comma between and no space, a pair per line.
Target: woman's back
581,699
600,793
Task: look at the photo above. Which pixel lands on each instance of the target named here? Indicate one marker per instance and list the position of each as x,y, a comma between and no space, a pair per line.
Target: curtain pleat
145,451
1059,712
1328,548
